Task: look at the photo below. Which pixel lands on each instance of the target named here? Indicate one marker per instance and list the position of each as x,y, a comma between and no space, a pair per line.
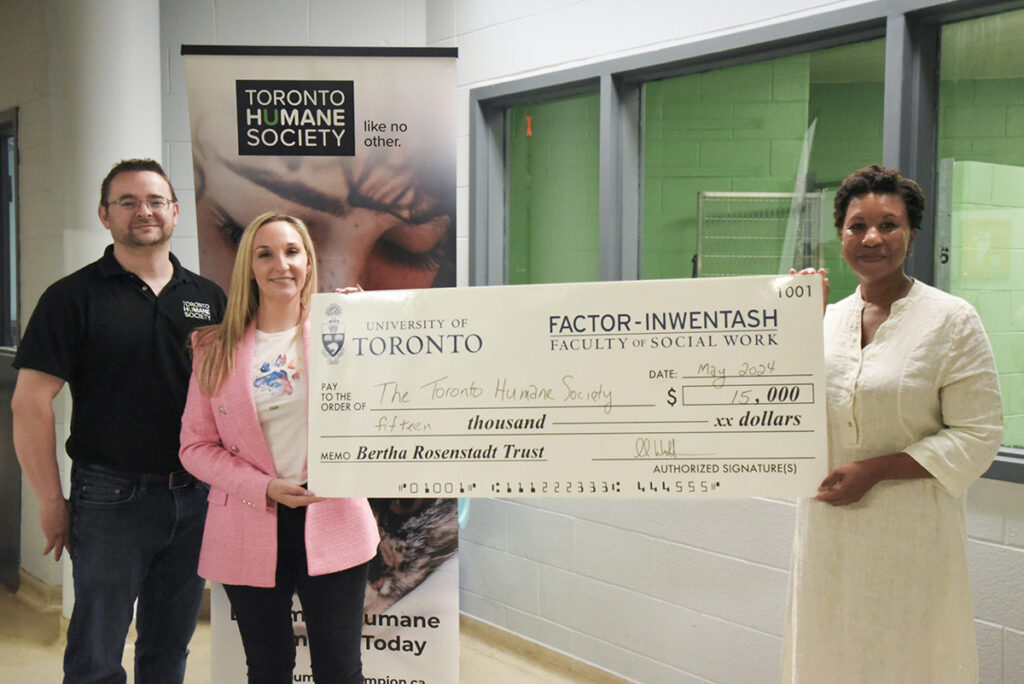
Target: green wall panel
552,173
742,129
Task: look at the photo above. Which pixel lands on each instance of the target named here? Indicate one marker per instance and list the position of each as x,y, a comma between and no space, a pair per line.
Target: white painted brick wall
653,591
995,525
615,582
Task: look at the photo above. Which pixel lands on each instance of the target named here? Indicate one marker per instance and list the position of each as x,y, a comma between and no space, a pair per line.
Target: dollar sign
671,396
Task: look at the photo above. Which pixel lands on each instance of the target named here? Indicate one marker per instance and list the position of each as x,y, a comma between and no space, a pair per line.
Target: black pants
331,604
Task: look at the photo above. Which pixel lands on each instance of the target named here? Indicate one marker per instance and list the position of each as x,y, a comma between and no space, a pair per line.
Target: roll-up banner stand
360,144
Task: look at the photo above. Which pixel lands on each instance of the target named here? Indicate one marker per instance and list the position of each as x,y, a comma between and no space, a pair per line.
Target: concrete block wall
656,591
995,553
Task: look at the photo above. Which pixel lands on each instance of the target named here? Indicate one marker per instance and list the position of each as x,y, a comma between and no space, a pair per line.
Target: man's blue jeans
133,536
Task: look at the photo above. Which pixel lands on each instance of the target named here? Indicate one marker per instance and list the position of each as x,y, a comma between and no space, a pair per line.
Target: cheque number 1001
794,291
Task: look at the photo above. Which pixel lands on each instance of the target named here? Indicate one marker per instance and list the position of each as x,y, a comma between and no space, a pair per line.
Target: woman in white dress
879,590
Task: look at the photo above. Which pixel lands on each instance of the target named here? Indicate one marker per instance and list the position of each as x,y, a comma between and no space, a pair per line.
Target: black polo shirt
123,352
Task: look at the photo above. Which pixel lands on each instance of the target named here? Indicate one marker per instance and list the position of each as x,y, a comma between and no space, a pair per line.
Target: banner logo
295,118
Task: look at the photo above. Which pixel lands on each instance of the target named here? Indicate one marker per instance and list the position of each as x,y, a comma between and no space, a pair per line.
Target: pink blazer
222,444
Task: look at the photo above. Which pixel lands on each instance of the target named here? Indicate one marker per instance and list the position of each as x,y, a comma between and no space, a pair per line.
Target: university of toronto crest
332,334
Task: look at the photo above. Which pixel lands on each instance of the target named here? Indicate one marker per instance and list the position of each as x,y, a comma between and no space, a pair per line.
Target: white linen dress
878,590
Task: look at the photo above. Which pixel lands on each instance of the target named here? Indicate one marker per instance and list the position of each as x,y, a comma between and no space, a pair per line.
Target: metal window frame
10,284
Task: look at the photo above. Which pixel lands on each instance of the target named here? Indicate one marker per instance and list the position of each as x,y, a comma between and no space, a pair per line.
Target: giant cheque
663,388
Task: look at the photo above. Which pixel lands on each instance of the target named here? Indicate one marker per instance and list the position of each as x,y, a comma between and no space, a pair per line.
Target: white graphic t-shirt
279,388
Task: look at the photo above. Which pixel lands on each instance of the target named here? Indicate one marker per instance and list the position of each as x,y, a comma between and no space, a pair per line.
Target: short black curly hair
880,180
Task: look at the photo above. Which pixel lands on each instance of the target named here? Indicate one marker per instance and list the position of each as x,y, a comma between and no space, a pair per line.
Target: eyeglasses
132,204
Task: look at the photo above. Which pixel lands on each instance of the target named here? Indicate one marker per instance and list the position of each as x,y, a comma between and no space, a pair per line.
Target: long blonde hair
217,344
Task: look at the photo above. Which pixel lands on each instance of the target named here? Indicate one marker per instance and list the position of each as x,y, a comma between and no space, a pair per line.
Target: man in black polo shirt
116,332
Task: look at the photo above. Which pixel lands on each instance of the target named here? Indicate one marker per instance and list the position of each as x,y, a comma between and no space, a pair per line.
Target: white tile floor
32,647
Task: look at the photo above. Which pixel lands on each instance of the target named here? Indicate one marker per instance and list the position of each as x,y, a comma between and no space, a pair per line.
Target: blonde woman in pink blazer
244,433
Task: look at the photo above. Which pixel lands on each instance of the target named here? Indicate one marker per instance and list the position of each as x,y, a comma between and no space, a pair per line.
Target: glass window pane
741,164
552,175
980,224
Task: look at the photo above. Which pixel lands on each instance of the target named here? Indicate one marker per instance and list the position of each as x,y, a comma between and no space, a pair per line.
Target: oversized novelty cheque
665,388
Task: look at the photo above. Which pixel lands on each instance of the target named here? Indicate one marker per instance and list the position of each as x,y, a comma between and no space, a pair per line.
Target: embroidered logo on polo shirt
197,310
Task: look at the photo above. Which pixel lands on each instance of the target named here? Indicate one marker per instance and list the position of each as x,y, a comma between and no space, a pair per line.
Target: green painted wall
553,191
981,127
982,120
848,137
739,129
742,130
986,268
